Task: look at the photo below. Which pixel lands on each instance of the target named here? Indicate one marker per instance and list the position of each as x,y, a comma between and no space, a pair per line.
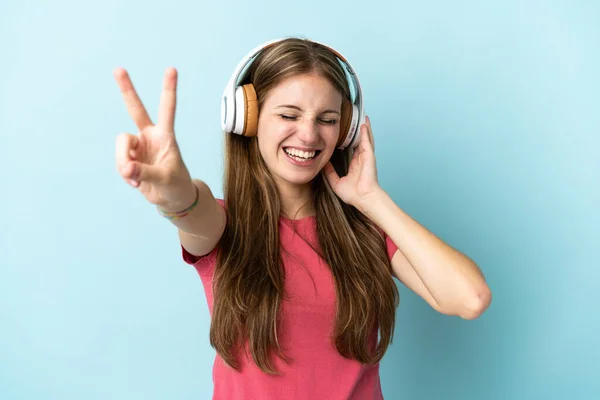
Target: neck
296,201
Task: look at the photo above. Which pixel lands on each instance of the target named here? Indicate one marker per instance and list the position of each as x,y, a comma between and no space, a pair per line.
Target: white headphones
239,106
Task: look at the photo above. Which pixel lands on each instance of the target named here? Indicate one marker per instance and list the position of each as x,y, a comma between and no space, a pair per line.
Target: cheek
332,135
269,141
272,137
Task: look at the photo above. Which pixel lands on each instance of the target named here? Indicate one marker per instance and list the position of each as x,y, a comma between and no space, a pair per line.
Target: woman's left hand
361,181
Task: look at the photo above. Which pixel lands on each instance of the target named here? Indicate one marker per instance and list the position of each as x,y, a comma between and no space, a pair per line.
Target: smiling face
298,129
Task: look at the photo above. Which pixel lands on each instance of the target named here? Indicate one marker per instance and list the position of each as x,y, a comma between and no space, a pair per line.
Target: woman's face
298,128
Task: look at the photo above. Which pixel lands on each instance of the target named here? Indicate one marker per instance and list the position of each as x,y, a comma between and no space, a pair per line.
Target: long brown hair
248,284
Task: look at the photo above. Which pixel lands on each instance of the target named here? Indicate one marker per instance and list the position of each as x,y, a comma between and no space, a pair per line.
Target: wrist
373,203
187,198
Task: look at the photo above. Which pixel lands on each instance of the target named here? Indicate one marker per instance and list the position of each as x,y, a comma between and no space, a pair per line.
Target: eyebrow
299,109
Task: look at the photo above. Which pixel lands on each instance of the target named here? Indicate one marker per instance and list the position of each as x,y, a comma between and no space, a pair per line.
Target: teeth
299,153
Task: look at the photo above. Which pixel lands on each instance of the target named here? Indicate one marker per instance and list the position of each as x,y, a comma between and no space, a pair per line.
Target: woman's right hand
151,160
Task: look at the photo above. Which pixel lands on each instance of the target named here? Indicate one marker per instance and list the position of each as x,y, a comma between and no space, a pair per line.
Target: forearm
454,281
200,222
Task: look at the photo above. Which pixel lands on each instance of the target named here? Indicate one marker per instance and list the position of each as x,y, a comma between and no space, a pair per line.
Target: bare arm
202,228
446,278
152,163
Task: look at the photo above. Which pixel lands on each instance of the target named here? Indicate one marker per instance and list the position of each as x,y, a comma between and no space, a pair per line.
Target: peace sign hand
151,161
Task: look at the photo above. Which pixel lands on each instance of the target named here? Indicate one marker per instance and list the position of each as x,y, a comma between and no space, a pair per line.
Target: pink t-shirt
316,370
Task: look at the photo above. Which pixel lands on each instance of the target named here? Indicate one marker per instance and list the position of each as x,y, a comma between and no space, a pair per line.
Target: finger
168,101
134,105
365,140
370,130
141,172
331,175
126,147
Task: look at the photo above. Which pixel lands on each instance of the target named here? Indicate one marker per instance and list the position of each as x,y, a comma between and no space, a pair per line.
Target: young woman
298,259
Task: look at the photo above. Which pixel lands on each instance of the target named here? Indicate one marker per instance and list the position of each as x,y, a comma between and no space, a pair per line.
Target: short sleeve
204,265
390,246
191,259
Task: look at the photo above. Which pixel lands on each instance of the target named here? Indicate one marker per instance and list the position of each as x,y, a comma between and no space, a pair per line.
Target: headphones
239,106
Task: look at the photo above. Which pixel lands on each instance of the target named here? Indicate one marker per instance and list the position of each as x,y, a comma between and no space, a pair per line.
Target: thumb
141,172
331,175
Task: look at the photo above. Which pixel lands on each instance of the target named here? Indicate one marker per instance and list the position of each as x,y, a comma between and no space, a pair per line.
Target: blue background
487,127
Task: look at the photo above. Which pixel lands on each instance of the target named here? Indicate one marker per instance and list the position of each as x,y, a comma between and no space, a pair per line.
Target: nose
308,131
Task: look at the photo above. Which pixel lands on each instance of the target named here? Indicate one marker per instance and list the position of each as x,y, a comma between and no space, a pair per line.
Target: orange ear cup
251,114
345,120
250,111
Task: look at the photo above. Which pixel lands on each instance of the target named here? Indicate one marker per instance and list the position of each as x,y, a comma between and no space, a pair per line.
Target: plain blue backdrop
486,118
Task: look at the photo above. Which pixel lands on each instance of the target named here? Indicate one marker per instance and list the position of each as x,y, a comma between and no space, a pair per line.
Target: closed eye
294,118
329,121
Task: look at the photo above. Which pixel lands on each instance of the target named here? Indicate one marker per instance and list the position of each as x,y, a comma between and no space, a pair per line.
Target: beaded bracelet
180,214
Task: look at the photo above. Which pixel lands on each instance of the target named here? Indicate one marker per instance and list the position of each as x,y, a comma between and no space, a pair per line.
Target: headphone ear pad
345,121
246,106
354,129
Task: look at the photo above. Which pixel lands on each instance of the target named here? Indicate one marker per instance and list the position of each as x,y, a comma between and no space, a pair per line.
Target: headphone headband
229,111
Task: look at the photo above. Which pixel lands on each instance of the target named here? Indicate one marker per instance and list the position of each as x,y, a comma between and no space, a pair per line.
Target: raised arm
151,162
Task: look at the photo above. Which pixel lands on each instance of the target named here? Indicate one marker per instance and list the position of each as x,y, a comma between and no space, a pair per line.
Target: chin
297,178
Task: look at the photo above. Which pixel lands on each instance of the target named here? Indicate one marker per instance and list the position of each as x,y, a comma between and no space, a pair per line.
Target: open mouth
301,156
